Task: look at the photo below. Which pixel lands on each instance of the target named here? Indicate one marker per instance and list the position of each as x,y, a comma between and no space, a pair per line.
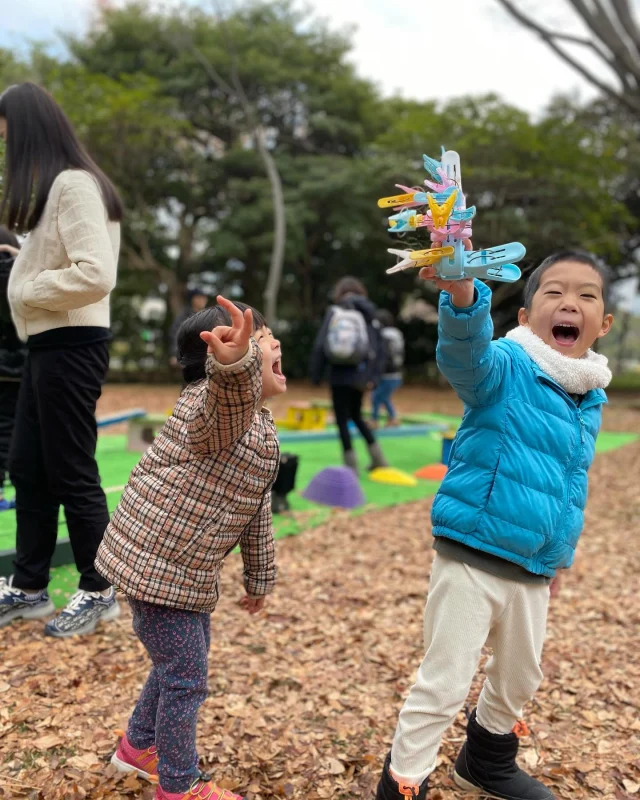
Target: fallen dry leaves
303,700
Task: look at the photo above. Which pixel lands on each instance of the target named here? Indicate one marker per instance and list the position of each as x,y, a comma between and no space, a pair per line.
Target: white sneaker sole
471,788
38,612
122,766
468,787
109,615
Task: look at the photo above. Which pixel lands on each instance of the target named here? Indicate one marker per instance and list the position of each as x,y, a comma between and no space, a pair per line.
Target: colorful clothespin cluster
443,212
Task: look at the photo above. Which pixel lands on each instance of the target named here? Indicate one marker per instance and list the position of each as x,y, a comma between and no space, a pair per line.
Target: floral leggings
165,715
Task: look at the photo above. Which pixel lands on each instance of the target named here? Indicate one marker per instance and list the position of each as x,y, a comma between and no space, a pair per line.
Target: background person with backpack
350,343
393,362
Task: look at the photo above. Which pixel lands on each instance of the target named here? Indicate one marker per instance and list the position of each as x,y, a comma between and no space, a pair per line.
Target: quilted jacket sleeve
226,406
259,552
473,364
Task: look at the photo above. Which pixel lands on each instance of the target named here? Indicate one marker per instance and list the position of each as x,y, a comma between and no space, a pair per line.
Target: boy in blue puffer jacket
508,515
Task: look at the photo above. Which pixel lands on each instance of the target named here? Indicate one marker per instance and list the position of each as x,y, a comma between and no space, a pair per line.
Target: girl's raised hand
229,343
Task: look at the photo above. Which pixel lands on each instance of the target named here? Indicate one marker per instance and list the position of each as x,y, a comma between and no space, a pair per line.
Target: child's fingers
232,308
427,273
221,333
467,244
247,325
212,341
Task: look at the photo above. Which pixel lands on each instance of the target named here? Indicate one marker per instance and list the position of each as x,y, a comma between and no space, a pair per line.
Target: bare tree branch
627,22
628,96
601,26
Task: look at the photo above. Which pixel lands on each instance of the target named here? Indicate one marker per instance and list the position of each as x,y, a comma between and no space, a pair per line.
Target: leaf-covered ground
303,700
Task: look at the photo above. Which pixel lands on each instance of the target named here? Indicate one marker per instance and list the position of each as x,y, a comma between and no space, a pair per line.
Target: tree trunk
274,278
625,328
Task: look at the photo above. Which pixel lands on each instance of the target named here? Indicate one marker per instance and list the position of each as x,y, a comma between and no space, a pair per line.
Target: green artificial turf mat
406,453
608,440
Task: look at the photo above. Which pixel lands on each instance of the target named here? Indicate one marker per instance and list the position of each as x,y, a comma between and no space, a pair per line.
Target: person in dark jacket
12,358
352,375
196,300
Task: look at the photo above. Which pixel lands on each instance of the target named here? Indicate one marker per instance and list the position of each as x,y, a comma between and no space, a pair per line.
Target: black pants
8,400
347,405
52,462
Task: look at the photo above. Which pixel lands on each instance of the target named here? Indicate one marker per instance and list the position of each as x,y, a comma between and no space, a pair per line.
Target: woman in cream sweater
59,296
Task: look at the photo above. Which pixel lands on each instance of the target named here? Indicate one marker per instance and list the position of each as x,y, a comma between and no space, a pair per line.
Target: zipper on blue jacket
579,409
582,425
574,464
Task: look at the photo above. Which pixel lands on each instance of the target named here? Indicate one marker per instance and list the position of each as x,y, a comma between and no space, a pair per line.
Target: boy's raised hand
462,292
229,343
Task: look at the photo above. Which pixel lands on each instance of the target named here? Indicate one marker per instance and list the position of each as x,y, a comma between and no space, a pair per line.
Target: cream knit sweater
67,266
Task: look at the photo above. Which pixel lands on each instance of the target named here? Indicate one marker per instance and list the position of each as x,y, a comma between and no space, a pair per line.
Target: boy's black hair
192,351
385,318
577,257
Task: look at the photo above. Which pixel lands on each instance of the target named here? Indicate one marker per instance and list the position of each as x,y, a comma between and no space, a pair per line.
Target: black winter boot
377,457
487,764
389,789
350,460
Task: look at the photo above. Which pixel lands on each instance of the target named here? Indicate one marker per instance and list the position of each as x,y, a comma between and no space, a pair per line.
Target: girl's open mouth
565,335
277,370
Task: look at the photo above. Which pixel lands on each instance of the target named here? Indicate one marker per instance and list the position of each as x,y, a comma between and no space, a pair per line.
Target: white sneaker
82,614
16,604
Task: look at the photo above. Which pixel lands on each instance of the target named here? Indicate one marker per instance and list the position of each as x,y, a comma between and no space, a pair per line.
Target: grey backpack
347,340
394,342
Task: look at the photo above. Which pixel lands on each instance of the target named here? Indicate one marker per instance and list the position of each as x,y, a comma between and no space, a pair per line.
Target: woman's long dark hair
40,144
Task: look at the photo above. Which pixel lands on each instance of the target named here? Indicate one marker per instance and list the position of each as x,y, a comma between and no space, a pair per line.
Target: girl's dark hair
40,144
385,318
348,285
192,351
575,256
6,237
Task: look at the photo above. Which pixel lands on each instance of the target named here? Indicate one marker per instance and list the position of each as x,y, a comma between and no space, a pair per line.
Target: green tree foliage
149,92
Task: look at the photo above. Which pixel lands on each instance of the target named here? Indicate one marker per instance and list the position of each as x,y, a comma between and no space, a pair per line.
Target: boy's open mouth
277,370
565,335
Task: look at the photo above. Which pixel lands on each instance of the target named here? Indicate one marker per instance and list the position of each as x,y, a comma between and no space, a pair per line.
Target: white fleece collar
575,375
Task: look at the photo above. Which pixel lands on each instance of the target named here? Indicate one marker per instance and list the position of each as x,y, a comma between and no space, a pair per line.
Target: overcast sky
474,44
476,47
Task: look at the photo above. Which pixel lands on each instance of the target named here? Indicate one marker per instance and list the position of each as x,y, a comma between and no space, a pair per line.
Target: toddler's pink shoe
201,789
129,759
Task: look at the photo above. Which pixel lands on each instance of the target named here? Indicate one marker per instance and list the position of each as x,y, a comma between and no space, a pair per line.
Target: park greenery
176,107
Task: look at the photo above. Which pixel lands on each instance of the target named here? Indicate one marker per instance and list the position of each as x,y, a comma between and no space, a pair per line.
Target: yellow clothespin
441,213
424,258
397,200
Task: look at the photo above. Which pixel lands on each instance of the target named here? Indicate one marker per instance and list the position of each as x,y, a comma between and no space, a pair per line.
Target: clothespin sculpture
443,212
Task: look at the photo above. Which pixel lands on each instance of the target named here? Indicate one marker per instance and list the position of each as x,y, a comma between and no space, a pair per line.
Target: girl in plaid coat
203,487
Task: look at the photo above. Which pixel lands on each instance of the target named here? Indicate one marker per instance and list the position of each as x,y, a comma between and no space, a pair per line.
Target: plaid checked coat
202,487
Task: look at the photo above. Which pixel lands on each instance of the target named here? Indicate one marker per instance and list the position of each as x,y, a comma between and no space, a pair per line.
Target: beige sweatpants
467,608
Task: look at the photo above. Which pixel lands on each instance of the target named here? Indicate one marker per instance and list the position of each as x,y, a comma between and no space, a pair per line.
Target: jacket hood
361,304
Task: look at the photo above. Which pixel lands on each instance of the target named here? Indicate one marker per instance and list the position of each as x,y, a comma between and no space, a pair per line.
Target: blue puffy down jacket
517,480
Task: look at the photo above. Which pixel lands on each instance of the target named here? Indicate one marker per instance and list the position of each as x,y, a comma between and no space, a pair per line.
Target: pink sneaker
200,790
127,758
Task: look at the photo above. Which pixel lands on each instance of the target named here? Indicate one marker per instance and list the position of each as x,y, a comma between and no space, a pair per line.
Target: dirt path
409,399
303,700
